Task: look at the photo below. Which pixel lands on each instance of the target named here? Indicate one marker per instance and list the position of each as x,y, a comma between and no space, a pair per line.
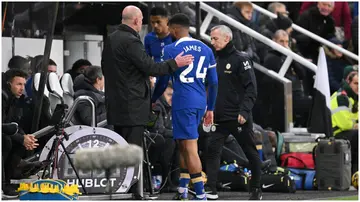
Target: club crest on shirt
227,67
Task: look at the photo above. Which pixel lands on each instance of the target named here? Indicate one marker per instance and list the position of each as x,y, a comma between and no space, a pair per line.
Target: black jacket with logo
237,85
127,67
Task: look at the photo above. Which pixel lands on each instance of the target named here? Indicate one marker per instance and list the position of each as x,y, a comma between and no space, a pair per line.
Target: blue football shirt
154,45
189,81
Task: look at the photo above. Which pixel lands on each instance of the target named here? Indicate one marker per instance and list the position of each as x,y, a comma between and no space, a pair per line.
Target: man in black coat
127,68
233,110
91,84
318,21
14,145
296,73
242,12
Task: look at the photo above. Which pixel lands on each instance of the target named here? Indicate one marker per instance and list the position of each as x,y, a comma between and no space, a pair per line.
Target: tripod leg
48,158
73,167
148,169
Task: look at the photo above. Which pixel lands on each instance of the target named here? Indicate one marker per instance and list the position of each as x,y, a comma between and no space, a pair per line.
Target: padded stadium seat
67,86
46,102
56,92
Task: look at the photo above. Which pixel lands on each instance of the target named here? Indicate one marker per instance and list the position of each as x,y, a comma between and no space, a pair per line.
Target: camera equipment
58,121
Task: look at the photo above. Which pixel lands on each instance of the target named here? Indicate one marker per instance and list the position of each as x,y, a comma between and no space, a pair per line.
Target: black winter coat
318,24
163,124
12,111
274,61
242,41
84,111
127,68
237,85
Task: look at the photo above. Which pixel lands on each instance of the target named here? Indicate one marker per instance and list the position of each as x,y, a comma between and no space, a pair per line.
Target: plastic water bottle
157,180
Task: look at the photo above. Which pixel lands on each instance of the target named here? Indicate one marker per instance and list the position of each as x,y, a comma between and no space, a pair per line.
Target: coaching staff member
236,97
127,68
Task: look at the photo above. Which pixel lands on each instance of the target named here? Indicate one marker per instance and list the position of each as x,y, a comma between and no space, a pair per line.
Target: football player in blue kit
189,101
156,40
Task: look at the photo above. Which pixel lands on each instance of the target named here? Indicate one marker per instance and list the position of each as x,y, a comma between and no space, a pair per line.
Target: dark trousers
245,136
353,137
12,153
132,135
162,153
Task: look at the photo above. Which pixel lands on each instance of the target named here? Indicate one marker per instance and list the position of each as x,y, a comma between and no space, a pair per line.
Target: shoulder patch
246,64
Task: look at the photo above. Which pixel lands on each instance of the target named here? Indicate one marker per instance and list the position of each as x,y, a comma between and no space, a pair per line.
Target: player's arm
162,81
160,87
246,72
212,80
142,61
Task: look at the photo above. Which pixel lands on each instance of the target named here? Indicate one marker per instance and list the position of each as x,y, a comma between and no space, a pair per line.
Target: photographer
14,146
91,84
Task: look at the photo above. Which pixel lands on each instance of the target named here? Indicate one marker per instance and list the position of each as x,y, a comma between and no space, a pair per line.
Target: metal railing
288,108
310,34
211,12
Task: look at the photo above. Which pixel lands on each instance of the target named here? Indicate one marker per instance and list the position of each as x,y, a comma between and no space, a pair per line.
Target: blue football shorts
186,122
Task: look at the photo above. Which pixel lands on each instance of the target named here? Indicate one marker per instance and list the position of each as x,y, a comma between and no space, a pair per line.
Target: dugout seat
46,101
56,92
68,88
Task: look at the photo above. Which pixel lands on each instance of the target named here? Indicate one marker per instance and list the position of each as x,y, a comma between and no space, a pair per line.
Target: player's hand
185,60
241,119
209,118
356,126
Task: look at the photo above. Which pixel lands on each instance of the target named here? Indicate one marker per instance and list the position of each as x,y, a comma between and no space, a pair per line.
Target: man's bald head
132,16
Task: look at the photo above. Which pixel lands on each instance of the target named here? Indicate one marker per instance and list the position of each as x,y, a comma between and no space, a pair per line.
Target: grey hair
331,2
272,7
224,30
279,33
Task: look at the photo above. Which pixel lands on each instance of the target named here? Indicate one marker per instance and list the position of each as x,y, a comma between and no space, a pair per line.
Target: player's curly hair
180,19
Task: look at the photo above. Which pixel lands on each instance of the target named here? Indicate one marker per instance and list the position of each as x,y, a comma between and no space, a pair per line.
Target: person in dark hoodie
296,74
14,147
91,84
336,63
242,12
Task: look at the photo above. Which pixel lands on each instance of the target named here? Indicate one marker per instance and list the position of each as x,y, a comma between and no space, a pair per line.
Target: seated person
52,67
78,68
295,73
336,63
163,127
91,84
14,146
344,112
